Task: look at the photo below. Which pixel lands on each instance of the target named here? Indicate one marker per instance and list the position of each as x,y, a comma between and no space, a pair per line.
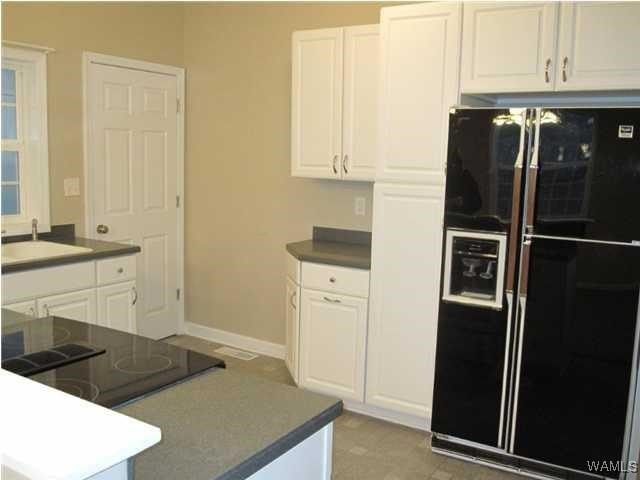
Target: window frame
32,143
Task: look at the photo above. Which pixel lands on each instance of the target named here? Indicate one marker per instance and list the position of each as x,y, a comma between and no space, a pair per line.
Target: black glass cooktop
110,367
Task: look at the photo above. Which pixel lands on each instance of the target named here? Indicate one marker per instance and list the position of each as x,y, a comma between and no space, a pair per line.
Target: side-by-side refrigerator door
588,174
483,190
577,344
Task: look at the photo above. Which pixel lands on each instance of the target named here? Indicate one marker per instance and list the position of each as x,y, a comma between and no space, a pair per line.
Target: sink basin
28,251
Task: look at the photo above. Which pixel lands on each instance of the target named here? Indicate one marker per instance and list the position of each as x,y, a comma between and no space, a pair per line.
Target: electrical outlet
72,187
360,206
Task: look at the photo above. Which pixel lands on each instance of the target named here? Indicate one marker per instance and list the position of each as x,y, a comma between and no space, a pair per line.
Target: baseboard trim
235,340
412,421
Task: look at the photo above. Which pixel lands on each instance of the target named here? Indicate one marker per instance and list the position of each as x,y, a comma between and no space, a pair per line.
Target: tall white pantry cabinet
420,47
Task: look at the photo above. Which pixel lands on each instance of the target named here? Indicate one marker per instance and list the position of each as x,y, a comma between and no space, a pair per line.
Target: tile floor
365,448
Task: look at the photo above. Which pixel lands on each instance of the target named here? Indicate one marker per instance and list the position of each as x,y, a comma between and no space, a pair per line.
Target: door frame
89,58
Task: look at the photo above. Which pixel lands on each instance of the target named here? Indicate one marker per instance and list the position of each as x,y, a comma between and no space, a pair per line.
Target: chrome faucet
34,229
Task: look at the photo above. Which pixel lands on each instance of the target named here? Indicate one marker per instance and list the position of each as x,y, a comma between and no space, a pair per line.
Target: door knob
102,229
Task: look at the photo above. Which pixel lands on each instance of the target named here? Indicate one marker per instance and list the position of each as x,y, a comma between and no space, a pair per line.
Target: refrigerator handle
505,370
532,178
515,209
523,290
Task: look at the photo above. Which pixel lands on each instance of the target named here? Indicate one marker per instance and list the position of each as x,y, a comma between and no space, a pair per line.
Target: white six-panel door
132,151
419,83
598,46
360,102
508,47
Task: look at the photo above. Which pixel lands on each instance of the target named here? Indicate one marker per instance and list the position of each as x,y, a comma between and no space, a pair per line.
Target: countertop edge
69,259
328,259
267,455
27,394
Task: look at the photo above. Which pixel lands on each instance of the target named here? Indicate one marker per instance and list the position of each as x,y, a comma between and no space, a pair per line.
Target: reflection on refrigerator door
577,349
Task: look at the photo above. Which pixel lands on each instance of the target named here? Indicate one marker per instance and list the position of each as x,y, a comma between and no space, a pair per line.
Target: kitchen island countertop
226,425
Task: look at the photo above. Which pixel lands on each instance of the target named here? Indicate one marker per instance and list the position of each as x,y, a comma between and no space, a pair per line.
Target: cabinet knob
332,279
565,63
102,229
335,164
120,270
135,295
345,160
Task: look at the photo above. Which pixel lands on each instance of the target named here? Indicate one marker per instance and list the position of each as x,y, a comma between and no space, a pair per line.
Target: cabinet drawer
45,281
329,278
118,269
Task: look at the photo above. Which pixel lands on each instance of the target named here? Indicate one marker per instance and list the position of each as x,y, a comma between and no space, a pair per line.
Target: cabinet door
79,305
598,46
117,306
316,104
508,47
26,308
405,283
419,83
292,328
333,344
360,110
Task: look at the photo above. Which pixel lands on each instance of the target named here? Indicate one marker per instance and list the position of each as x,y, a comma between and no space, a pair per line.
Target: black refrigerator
537,351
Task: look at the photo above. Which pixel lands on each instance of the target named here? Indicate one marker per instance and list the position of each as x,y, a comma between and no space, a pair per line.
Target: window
24,167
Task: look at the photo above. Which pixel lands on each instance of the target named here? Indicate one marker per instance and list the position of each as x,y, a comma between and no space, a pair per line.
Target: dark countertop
332,253
222,424
226,425
99,248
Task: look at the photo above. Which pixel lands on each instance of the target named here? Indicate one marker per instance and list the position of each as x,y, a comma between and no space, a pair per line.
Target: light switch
360,206
72,187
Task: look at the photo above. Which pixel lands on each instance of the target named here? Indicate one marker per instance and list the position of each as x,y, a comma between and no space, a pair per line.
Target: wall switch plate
72,187
360,206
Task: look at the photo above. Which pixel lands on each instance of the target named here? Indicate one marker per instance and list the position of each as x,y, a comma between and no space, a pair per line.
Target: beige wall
242,206
146,32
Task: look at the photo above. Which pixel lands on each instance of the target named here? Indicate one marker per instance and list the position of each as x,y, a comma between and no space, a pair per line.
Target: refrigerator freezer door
484,147
469,373
588,183
577,349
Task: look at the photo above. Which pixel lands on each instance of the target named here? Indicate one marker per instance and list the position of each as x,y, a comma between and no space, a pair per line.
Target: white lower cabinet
333,343
26,308
292,332
80,306
101,292
117,306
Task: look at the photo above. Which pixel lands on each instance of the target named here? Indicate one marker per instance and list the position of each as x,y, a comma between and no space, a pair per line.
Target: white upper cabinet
316,117
419,55
335,103
541,46
360,115
508,47
598,46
